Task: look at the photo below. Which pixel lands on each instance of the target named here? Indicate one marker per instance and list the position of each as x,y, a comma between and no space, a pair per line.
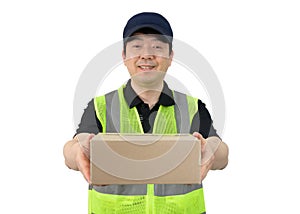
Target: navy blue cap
148,20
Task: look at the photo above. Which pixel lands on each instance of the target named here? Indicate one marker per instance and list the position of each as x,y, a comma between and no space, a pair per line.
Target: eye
158,47
136,46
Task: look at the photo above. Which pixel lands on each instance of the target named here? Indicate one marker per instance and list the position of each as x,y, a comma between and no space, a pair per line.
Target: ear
171,57
123,55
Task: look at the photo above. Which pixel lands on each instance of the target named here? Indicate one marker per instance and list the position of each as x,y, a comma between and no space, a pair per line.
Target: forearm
221,157
70,153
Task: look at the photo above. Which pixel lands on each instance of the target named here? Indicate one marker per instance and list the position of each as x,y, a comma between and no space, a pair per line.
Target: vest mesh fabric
129,117
189,203
100,203
165,123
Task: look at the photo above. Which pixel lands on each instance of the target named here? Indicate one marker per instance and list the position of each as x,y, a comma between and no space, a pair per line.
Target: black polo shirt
91,124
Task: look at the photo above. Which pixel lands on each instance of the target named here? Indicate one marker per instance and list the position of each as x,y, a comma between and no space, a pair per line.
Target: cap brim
152,26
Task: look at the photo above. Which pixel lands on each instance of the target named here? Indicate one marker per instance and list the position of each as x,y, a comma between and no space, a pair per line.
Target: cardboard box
144,159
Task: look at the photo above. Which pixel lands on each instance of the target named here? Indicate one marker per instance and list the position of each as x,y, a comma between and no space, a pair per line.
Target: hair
147,30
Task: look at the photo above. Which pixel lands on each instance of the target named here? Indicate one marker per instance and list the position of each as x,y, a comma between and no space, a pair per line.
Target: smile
146,67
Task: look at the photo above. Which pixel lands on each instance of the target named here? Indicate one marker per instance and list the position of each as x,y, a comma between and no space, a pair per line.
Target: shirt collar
165,98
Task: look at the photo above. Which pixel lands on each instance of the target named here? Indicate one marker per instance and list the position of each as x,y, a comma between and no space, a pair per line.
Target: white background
253,47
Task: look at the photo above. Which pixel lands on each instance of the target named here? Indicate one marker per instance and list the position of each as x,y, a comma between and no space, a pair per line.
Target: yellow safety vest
115,115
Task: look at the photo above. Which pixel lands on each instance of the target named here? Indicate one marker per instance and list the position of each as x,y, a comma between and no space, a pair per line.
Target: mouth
146,67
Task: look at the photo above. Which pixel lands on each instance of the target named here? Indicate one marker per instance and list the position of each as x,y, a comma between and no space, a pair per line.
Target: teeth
146,67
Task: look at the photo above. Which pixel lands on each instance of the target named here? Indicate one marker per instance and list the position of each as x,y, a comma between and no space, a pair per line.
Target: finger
81,138
204,171
206,156
86,175
196,134
211,146
205,168
84,167
213,143
203,175
201,138
203,145
84,142
89,138
84,139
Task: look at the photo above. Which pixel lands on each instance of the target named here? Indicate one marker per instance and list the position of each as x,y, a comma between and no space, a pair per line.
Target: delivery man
145,105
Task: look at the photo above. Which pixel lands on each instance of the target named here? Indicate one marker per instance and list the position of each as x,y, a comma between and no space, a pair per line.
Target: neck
149,94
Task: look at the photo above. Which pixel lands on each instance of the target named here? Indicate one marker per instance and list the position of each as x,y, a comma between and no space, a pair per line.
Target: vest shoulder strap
108,110
185,109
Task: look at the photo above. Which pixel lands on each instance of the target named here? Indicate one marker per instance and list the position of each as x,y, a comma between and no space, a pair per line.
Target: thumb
201,138
84,142
212,145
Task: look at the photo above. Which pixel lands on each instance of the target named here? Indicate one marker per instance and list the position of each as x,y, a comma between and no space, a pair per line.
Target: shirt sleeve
206,128
89,122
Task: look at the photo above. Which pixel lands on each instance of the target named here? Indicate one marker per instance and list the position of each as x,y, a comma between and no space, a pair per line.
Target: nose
147,53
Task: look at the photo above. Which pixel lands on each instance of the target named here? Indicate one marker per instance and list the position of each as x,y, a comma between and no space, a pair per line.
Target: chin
149,78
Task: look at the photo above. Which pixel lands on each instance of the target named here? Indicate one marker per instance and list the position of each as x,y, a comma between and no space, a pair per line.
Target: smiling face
147,58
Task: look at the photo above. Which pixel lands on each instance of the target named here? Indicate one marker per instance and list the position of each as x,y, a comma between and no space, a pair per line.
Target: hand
83,154
207,156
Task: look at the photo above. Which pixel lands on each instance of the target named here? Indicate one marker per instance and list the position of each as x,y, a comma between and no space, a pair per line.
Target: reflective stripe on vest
116,116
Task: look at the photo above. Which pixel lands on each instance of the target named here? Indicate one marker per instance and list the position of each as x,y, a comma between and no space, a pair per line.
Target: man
145,105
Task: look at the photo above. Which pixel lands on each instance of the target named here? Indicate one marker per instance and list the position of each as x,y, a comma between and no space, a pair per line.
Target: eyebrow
133,38
155,38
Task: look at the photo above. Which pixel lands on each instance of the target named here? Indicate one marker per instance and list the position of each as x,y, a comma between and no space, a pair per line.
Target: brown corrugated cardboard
144,159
